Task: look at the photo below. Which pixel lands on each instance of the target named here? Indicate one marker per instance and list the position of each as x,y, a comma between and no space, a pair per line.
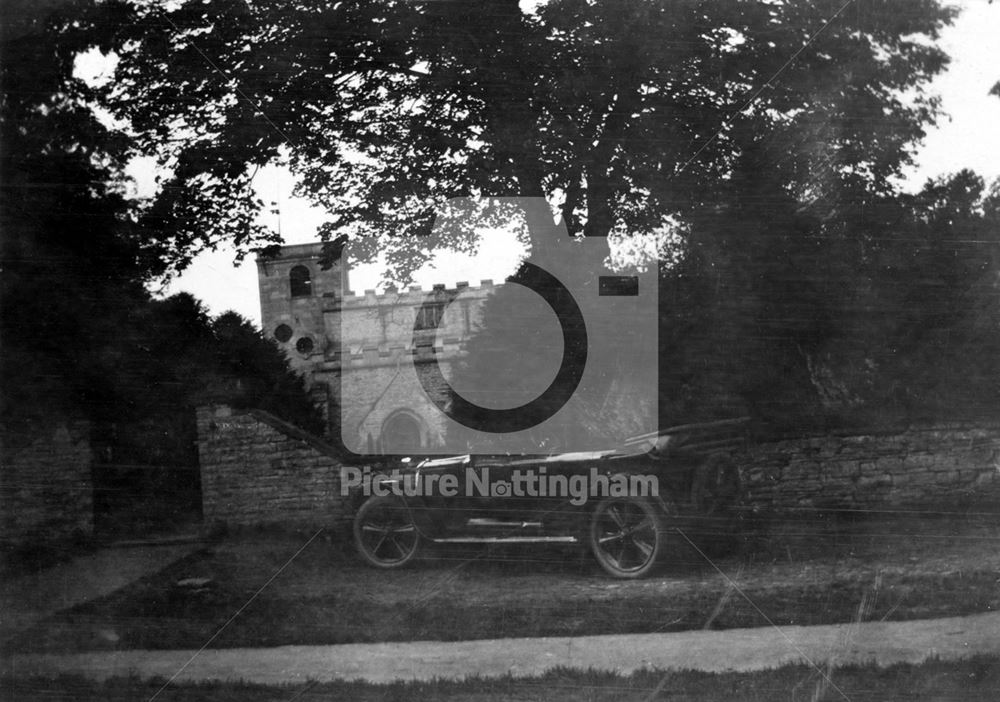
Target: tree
258,373
622,113
766,127
942,341
73,258
80,329
773,130
82,337
174,356
170,358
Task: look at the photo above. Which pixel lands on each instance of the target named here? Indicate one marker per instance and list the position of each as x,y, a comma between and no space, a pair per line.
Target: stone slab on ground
884,643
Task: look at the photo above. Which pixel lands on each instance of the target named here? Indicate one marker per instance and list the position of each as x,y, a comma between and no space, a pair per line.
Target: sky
967,137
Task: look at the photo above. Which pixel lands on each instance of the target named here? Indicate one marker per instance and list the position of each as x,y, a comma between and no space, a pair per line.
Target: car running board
507,540
487,523
510,527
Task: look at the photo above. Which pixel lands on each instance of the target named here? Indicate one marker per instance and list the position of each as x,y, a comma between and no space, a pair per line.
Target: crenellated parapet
414,295
412,325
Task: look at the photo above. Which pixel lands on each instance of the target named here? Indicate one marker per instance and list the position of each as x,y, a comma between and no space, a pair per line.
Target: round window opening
283,333
304,345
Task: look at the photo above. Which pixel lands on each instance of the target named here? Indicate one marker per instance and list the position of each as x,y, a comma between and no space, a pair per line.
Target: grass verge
973,680
797,573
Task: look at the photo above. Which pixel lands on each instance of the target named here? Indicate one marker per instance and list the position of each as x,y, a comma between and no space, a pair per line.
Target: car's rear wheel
384,533
627,536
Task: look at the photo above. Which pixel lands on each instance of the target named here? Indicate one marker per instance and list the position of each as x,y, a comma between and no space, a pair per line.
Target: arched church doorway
401,434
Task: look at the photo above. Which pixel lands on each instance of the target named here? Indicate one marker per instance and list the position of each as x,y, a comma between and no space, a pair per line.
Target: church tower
294,292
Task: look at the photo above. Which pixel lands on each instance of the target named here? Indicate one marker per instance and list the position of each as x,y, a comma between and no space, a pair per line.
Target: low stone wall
917,467
46,487
258,469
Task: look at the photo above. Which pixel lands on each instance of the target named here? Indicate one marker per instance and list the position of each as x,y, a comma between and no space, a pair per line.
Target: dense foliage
622,113
807,287
884,317
82,336
81,329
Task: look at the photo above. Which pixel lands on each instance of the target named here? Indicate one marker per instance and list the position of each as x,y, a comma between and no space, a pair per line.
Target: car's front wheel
384,532
627,536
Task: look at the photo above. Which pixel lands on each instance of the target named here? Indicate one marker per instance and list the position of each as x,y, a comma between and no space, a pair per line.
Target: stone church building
373,346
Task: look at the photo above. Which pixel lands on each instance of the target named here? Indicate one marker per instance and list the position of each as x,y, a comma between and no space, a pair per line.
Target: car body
626,504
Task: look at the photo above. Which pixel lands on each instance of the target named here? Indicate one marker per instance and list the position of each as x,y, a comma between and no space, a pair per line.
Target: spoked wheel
384,533
626,536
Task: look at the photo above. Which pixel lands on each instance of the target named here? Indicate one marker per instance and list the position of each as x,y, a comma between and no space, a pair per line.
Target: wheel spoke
621,555
396,524
399,549
376,547
646,523
644,548
616,517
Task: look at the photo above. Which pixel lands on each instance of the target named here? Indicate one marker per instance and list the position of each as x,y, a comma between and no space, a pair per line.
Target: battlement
413,322
414,295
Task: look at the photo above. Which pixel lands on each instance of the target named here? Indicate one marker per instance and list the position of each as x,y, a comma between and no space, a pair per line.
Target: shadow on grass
801,572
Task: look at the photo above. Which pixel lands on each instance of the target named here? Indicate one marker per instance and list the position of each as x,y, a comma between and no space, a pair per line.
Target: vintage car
629,505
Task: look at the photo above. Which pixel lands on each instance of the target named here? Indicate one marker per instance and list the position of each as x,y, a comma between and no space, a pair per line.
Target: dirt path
29,599
885,643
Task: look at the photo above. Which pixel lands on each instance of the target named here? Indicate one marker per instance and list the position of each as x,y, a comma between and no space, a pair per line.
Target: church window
301,282
283,333
304,345
429,316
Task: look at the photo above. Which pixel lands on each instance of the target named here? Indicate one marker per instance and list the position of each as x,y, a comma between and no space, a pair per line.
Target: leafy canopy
623,113
82,334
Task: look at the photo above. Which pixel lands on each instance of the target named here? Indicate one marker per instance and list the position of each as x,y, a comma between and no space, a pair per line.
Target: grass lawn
974,680
796,572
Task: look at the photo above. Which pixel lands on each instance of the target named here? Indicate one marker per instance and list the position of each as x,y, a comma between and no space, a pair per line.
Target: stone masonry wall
46,488
257,469
942,464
